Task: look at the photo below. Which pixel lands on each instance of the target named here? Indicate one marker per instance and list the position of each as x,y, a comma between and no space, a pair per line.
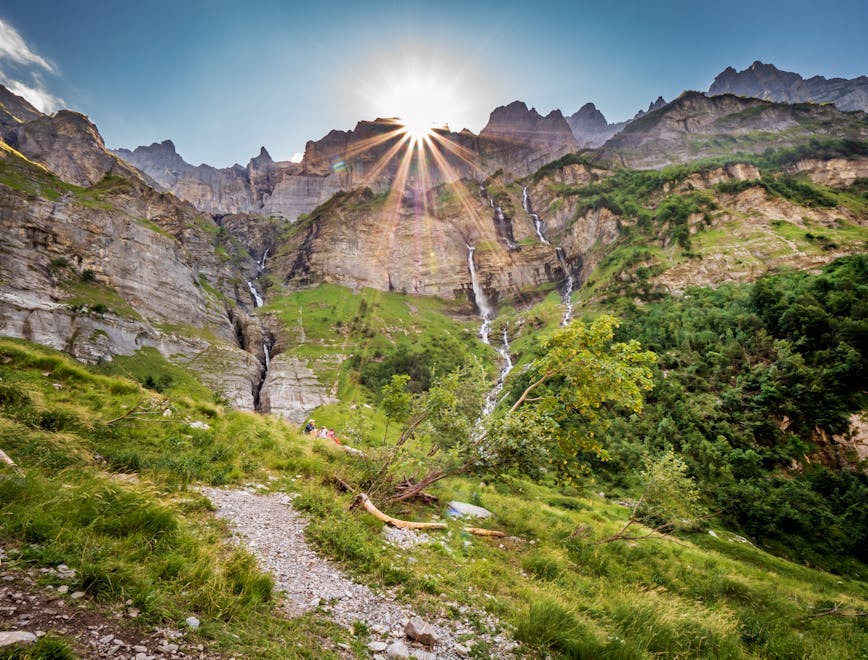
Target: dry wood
479,531
5,458
365,501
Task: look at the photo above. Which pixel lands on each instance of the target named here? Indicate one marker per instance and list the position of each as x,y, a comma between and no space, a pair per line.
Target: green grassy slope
113,500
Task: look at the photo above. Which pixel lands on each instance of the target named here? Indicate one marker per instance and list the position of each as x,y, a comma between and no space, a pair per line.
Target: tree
557,416
580,372
670,500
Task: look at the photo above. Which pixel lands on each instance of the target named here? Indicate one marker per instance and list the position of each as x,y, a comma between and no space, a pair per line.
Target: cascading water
568,286
569,282
500,222
261,263
257,297
492,397
537,223
485,311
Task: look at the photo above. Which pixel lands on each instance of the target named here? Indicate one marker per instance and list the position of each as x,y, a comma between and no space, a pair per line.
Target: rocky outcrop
291,390
765,81
14,111
109,270
590,127
695,126
69,145
835,172
516,125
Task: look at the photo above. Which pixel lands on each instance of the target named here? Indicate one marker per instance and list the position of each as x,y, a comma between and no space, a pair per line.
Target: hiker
331,435
323,432
310,427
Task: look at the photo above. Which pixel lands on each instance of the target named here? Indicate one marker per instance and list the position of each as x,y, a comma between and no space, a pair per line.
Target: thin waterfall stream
537,223
569,281
486,313
492,397
267,339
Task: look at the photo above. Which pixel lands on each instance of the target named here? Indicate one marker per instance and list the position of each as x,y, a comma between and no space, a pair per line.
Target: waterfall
257,297
504,229
492,397
537,223
485,311
568,286
261,263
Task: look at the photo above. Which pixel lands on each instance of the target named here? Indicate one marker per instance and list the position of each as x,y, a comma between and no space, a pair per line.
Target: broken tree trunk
365,501
479,531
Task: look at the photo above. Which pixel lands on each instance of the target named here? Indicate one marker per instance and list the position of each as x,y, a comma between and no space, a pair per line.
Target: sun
420,103
421,99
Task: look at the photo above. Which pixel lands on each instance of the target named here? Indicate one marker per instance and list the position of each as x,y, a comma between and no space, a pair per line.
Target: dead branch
365,502
836,610
479,531
128,413
5,458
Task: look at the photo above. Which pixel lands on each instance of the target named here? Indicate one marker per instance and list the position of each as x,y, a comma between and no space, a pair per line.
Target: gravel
274,533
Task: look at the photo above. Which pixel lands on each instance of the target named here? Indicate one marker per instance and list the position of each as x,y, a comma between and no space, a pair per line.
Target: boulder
421,631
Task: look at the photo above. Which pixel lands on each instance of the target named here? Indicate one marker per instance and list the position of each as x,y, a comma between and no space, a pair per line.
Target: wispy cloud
21,70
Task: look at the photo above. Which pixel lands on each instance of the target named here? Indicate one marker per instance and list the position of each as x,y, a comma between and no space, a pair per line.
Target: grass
346,336
91,296
114,502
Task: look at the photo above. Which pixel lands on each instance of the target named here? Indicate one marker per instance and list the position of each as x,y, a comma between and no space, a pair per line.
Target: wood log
365,501
479,531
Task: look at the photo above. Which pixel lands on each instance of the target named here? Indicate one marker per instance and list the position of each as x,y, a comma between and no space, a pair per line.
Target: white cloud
13,46
296,157
38,96
25,79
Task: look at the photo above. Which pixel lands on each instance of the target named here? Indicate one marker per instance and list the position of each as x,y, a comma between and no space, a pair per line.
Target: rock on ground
274,532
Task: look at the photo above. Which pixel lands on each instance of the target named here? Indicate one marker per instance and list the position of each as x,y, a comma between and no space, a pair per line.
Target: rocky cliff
516,139
765,81
696,126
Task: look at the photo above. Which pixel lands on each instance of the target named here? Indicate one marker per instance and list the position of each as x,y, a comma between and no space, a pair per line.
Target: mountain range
515,138
107,253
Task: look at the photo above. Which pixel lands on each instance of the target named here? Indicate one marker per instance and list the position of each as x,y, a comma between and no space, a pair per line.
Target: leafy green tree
553,421
580,373
670,501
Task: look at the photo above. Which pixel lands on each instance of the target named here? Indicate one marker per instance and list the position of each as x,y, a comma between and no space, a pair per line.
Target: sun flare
420,99
420,104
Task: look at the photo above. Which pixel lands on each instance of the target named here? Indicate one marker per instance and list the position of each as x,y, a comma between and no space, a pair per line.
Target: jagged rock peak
516,123
17,106
766,81
588,117
659,103
264,159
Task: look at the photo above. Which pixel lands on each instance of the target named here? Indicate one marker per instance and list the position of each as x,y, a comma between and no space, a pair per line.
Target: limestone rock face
836,172
515,124
765,81
517,140
381,242
291,390
106,279
694,126
69,145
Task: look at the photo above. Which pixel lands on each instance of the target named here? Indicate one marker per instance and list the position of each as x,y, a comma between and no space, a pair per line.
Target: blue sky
222,78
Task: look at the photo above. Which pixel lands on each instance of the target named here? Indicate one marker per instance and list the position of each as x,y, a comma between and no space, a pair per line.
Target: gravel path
274,532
